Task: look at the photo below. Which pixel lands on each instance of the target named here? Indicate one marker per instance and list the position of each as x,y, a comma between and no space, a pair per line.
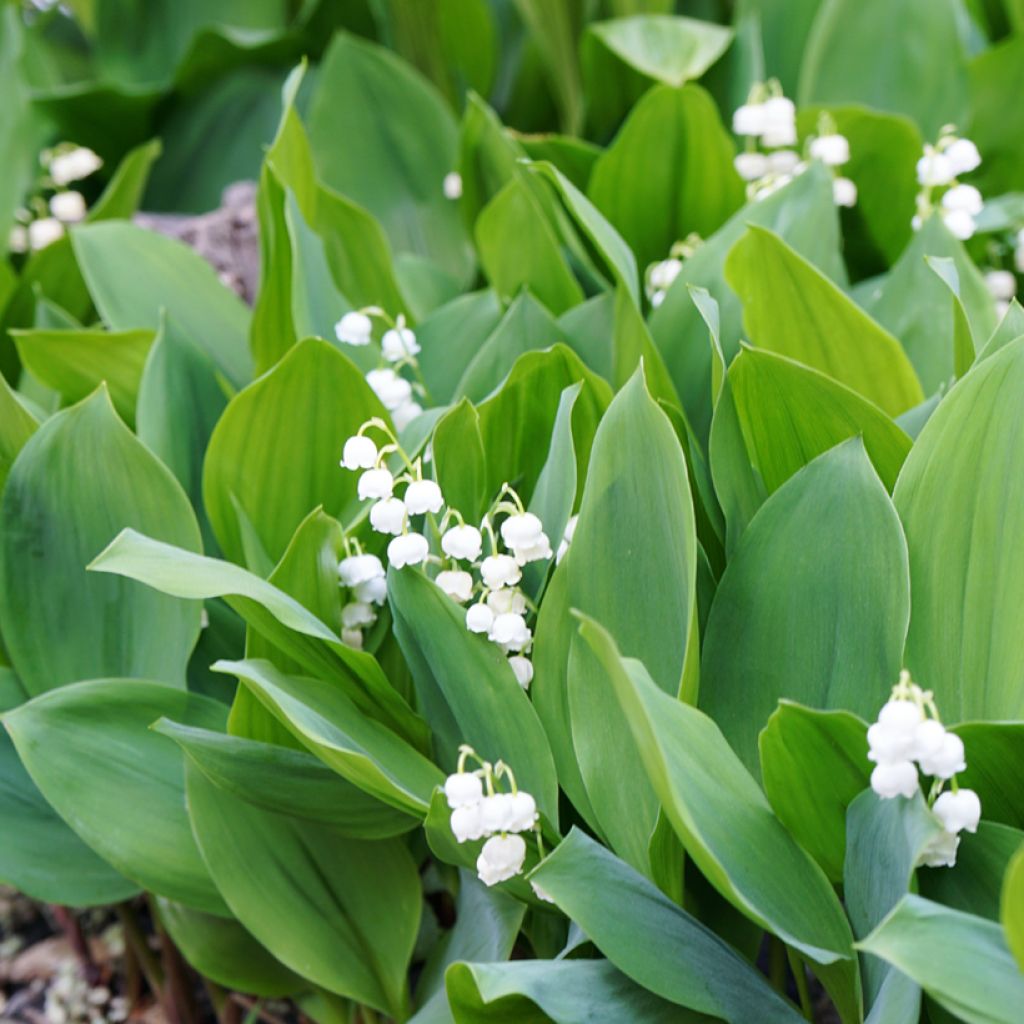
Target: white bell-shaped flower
452,185
356,614
496,812
462,789
1002,285
479,618
405,414
510,632
507,600
751,166
959,223
467,823
500,859
963,197
456,583
539,550
959,811
844,192
895,778
359,453
358,569
423,496
783,161
521,529
934,169
375,483
392,390
963,156
947,760
462,542
928,738
44,232
522,668
373,591
901,714
940,851
500,571
780,122
74,165
750,119
399,343
388,516
833,150
17,240
68,207
522,813
352,638
354,329
889,743
663,274
408,549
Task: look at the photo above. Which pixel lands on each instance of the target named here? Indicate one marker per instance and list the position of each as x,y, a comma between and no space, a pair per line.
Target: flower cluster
41,221
501,608
908,730
398,350
938,171
661,274
363,575
481,811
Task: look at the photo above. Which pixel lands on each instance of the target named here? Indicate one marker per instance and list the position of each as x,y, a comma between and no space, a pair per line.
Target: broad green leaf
791,308
341,912
123,194
813,763
76,362
884,840
17,425
223,951
133,274
960,960
460,464
727,826
1012,907
519,248
995,768
297,418
790,414
89,749
407,144
1010,328
994,124
563,991
469,678
285,781
815,616
802,213
272,613
782,27
963,342
958,499
674,144
856,53
651,940
79,479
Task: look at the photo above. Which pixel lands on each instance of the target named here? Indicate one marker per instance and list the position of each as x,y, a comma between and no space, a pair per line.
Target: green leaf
1012,907
963,342
80,478
407,144
563,991
223,951
727,826
790,414
791,308
493,715
812,615
133,274
855,55
115,782
995,768
960,960
285,781
959,515
994,124
76,362
17,425
1010,328
674,144
275,615
341,912
813,763
297,417
653,941
460,464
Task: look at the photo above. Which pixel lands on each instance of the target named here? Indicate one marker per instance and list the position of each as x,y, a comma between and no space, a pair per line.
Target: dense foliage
588,583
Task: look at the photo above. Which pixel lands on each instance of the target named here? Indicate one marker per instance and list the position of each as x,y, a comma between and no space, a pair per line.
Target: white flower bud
392,390
500,859
466,823
500,571
376,483
832,150
408,549
901,714
388,516
844,192
405,414
496,812
751,166
959,223
75,165
963,197
356,614
964,157
479,618
399,343
462,789
507,600
1002,284
358,569
68,207
373,591
359,453
897,778
928,737
947,760
44,232
662,275
456,584
452,185
940,851
462,542
423,496
522,668
750,119
510,632
959,810
354,329
934,169
522,812
352,638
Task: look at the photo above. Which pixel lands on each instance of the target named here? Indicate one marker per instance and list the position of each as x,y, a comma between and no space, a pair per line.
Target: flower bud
68,207
749,119
359,453
844,192
354,329
352,638
903,714
963,197
44,232
463,788
399,343
408,549
522,668
832,150
423,496
963,156
479,618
